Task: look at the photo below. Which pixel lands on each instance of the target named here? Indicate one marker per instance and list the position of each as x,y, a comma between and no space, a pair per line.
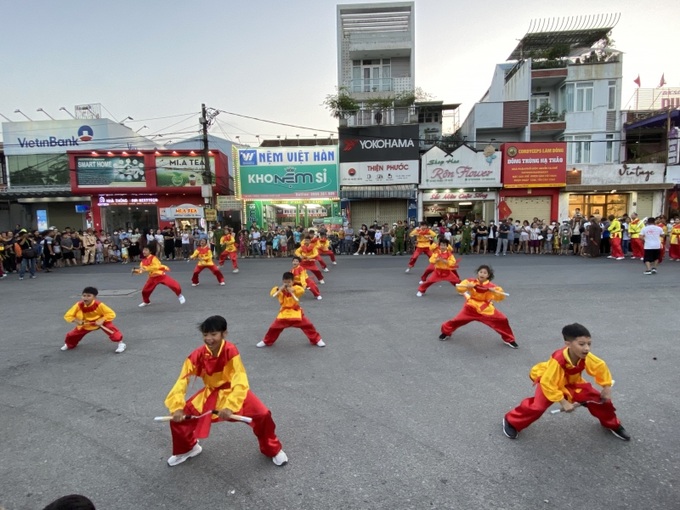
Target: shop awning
393,191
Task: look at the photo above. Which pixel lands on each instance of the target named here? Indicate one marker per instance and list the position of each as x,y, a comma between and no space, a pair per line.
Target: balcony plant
546,113
341,105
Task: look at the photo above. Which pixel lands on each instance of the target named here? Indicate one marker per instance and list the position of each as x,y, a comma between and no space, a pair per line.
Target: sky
157,61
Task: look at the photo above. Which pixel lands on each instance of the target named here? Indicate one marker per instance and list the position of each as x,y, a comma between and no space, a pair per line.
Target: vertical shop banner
288,172
123,171
534,165
181,171
379,155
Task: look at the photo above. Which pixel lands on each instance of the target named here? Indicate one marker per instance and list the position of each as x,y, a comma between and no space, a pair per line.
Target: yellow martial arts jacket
424,235
204,256
479,299
615,228
290,307
89,314
634,228
153,266
229,243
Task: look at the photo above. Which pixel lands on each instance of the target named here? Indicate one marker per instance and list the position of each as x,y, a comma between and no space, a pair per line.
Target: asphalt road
385,417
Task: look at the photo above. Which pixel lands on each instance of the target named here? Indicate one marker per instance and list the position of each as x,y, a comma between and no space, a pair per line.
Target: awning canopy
655,121
393,191
17,192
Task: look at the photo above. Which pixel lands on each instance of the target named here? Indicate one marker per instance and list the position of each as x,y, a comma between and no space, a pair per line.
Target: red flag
637,80
504,210
663,80
673,200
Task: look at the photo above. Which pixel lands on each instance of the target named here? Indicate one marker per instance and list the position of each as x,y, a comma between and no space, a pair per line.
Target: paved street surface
385,417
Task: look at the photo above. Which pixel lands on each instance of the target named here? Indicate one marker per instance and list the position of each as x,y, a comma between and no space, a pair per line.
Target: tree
341,105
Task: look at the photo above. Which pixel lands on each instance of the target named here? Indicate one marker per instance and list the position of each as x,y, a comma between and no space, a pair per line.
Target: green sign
288,173
182,171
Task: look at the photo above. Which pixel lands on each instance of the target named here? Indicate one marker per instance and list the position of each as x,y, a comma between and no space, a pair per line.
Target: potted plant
341,105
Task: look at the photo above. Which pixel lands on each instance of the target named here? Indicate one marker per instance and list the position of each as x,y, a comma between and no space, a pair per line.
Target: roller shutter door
385,211
528,208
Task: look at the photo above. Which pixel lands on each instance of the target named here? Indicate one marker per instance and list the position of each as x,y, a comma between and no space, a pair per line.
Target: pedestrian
26,251
156,272
89,247
226,391
445,265
614,230
205,261
503,240
290,314
90,315
559,380
480,294
651,236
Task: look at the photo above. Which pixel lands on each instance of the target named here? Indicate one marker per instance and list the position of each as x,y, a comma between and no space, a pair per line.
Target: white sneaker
321,343
408,269
357,253
610,257
322,282
143,304
319,298
121,347
222,284
235,270
280,459
419,294
325,270
182,299
178,459
335,263
64,347
421,282
195,284
620,258
261,344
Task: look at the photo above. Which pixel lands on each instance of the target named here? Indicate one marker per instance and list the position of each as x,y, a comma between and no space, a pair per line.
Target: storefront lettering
270,157
458,196
637,172
52,141
461,172
449,161
104,201
399,166
323,155
185,162
290,177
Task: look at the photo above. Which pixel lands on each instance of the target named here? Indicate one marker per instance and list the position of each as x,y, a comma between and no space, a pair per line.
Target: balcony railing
371,85
383,116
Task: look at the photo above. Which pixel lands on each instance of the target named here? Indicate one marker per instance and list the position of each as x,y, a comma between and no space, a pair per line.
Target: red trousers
74,336
615,243
229,255
417,253
327,252
674,251
638,248
321,262
662,251
310,265
498,322
184,434
439,275
532,408
312,287
155,281
213,269
280,324
427,272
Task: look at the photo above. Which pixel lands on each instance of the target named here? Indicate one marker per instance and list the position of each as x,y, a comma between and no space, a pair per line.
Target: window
427,116
576,97
371,75
578,149
600,206
609,156
538,99
611,104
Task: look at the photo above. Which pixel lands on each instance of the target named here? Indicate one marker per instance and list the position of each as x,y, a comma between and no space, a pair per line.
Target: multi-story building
563,86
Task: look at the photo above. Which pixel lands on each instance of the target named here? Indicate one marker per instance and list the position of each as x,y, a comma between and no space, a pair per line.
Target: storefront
601,190
534,174
289,186
461,185
147,189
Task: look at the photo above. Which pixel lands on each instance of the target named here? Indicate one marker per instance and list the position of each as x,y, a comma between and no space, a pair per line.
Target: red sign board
534,165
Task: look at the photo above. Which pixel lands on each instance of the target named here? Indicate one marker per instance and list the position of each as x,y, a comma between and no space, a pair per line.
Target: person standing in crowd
615,238
651,236
674,243
89,247
576,223
156,272
363,240
159,243
67,249
482,238
594,237
503,237
399,238
26,252
205,261
168,243
47,244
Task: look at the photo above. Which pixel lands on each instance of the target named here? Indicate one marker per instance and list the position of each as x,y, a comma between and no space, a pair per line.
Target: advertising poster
182,171
534,165
124,171
464,168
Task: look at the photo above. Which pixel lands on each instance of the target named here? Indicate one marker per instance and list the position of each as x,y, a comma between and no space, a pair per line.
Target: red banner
534,165
504,210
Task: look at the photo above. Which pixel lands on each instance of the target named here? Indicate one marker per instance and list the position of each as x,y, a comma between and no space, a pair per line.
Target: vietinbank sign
85,134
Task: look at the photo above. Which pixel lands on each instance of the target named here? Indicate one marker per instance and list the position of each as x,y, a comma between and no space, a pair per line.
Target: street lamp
8,120
126,118
22,113
143,127
63,108
41,110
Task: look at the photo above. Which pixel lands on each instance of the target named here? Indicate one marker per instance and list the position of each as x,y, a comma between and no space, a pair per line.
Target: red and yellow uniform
324,248
424,236
674,247
309,255
615,239
229,243
290,315
445,265
156,271
662,239
89,315
634,229
301,279
430,267
205,261
558,379
479,307
226,387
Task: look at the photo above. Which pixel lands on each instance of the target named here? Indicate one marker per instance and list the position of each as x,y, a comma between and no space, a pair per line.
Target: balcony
383,117
371,85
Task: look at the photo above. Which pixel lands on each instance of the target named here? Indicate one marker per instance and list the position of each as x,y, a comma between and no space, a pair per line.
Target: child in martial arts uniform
90,314
309,256
324,248
205,261
424,237
301,279
479,294
226,392
290,315
559,380
444,264
156,271
228,240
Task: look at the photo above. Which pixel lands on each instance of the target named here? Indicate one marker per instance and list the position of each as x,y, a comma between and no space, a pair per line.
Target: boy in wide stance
290,314
90,314
559,380
226,390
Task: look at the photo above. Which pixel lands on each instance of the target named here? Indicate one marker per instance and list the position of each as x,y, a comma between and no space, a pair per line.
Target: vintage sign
621,173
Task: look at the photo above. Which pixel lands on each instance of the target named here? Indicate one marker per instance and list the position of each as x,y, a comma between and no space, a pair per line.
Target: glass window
610,149
599,205
578,149
584,97
538,99
566,99
611,104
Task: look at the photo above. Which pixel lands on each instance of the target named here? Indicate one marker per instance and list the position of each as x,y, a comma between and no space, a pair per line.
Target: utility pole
207,116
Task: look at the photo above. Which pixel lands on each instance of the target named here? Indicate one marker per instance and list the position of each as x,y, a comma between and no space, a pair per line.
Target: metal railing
371,85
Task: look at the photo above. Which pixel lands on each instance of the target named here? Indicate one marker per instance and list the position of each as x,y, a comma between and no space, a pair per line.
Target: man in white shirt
651,235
